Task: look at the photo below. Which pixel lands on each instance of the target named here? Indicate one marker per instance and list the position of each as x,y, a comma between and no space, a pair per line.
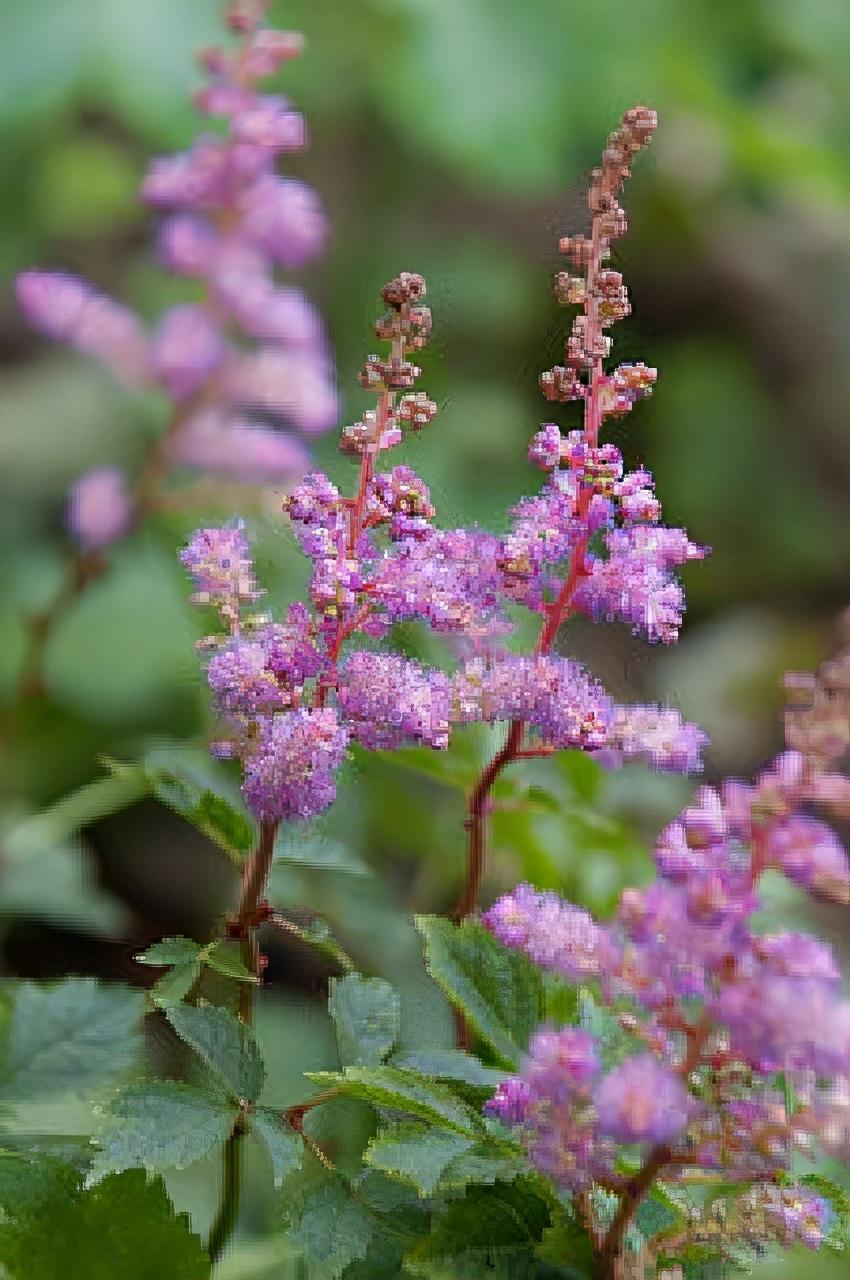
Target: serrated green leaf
450,1064
404,1091
655,1214
170,951
333,1231
124,1227
499,992
174,986
477,1228
69,1035
434,1161
226,1045
367,1017
285,1147
416,1154
187,787
160,1125
224,958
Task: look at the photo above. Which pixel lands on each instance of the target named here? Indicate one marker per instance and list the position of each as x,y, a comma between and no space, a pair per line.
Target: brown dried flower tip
414,327
406,287
390,375
578,249
416,410
244,16
570,290
561,384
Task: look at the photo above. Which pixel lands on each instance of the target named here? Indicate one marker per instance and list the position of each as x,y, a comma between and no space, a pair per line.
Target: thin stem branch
656,1160
224,1224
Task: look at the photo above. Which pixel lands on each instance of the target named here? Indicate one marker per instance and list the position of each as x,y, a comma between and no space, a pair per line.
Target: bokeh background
449,137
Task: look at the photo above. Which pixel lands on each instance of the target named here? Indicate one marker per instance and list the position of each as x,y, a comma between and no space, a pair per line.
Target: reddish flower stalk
584,357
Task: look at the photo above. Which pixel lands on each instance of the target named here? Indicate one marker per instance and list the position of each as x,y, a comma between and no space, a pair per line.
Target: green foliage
69,1035
403,1091
491,1226
198,793
125,1226
451,1064
438,1161
284,1146
367,1017
226,1046
498,991
187,958
838,1236
161,1125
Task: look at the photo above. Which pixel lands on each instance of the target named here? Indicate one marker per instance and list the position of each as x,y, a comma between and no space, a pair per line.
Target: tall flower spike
247,368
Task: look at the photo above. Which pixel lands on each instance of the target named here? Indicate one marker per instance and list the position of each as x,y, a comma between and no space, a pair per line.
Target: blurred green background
449,137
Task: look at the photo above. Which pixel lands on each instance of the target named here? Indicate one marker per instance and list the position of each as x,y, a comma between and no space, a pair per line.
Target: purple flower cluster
712,1009
229,220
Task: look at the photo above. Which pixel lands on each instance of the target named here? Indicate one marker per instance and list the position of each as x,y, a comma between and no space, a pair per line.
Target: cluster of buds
407,327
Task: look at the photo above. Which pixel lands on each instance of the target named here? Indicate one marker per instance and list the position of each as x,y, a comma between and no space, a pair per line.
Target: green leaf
224,958
440,1161
404,1091
285,1147
498,991
124,1227
69,1035
26,1181
485,1222
170,951
655,1213
442,766
226,1045
161,1125
333,1230
450,1064
367,1016
191,789
79,808
416,1154
174,986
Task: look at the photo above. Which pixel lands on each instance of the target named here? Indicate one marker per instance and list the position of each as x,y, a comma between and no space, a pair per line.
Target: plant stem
556,613
611,1249
228,1210
254,880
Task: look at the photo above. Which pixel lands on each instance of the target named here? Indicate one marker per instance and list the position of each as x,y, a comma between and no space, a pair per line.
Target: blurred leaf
284,1146
122,652
78,809
439,1161
367,1017
450,1064
123,1227
226,1045
192,789
224,958
68,1035
330,1227
173,987
170,951
499,992
416,1154
58,884
403,1091
329,855
160,1125
477,1233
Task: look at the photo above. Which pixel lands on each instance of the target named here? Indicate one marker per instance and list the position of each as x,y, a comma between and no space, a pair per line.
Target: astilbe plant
246,366
644,1091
